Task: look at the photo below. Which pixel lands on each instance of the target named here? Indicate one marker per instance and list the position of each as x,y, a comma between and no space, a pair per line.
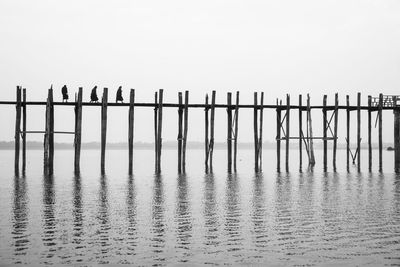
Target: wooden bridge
283,131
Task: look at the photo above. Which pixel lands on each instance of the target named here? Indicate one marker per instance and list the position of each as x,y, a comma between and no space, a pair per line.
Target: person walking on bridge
93,95
119,95
64,92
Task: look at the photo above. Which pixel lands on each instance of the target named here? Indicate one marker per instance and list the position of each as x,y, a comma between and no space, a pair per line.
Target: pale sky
313,46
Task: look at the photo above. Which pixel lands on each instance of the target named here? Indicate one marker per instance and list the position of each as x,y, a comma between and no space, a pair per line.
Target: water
308,218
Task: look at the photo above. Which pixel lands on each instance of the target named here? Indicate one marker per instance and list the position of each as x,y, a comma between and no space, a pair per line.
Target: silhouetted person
119,95
93,95
64,92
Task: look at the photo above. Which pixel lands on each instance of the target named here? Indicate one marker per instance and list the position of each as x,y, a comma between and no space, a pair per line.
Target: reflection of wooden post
51,133
255,126
396,136
287,130
380,130
131,128
348,132
229,131
180,120
104,104
78,131
17,130
358,131
278,137
260,139
24,131
159,129
206,140
236,131
335,129
369,134
324,133
300,133
185,130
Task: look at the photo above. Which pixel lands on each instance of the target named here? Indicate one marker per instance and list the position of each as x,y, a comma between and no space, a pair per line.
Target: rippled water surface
307,218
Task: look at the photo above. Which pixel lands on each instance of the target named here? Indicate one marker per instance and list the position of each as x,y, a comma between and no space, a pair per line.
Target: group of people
93,95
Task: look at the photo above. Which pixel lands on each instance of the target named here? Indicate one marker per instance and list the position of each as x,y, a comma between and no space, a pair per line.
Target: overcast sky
313,46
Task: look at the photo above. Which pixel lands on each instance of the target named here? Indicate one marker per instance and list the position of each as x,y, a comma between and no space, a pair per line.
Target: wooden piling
159,129
104,104
206,140
78,131
255,126
260,135
380,106
17,130
287,131
180,136
311,144
300,133
325,142
51,133
369,134
335,129
396,136
229,130
211,148
155,131
185,130
46,144
278,137
131,128
358,131
23,130
236,132
348,132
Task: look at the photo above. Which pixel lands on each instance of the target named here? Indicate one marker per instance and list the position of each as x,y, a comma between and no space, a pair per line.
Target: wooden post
78,131
46,144
335,129
236,131
24,131
104,104
211,149
131,128
229,131
159,128
380,130
185,130
358,131
348,132
17,130
255,122
180,120
260,139
396,112
312,157
51,133
300,133
155,131
206,141
324,133
287,130
278,137
369,134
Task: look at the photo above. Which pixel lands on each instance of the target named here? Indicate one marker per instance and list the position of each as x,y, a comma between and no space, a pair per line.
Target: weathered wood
159,128
380,130
185,130
206,140
78,131
260,139
300,133
180,136
131,119
255,126
51,133
104,104
358,131
396,138
278,138
369,134
348,133
46,144
211,148
236,132
17,130
287,131
229,131
155,131
311,144
335,130
23,130
324,125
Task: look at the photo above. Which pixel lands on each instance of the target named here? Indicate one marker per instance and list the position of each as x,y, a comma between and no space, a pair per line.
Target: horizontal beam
308,138
55,132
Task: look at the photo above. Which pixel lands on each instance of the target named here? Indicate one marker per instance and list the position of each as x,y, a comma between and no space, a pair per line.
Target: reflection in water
77,213
183,219
158,221
131,217
210,214
104,222
260,239
49,219
20,219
